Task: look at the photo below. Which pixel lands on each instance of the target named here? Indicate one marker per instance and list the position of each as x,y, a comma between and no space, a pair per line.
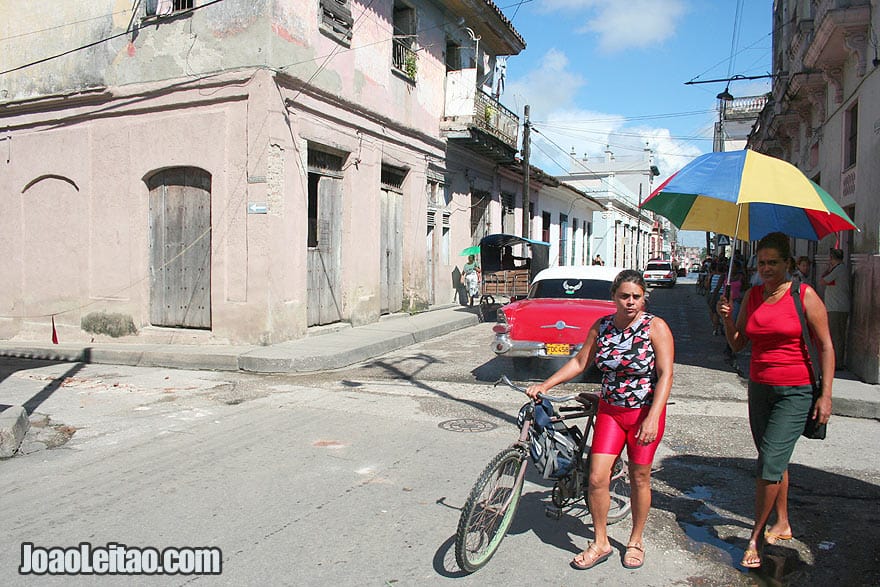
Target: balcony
747,107
476,120
841,29
404,59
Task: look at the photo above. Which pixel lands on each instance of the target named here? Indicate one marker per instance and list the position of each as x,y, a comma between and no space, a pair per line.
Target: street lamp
723,98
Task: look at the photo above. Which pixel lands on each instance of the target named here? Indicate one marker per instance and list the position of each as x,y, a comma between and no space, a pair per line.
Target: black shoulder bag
812,429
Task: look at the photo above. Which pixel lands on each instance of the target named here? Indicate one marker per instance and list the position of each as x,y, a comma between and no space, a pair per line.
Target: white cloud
623,25
561,127
549,87
637,23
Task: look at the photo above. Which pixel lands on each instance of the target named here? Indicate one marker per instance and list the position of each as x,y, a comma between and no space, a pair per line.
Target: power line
66,24
640,117
611,188
104,40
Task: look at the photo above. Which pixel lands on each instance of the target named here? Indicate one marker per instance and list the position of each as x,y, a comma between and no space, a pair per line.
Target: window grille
336,18
166,7
392,177
324,162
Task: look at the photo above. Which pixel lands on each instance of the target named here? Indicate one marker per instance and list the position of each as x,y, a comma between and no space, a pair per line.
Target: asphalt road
355,477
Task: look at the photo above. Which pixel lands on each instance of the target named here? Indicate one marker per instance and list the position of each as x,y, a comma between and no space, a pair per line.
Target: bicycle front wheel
489,510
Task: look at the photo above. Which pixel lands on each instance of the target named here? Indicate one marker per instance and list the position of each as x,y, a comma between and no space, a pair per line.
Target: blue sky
597,72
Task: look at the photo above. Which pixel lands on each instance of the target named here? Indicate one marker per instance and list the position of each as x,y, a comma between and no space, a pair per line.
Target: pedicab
506,277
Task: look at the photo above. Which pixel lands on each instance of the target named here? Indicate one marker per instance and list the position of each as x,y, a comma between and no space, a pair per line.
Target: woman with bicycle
634,351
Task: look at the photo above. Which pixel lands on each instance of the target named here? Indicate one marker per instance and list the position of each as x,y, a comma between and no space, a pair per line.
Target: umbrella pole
732,249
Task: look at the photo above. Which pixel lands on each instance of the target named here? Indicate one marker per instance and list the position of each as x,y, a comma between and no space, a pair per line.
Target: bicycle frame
567,487
484,521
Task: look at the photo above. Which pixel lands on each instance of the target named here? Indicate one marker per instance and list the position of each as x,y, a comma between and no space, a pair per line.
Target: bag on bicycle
552,445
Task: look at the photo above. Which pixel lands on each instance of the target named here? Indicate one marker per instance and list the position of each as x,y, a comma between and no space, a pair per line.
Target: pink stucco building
238,171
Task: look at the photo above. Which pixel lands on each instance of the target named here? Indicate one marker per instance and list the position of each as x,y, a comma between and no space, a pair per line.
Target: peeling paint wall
238,90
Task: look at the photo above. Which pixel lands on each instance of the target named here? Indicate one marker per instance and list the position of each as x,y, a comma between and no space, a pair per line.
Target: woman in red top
780,393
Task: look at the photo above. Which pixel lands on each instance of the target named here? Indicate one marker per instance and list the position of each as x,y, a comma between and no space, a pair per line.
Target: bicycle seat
589,400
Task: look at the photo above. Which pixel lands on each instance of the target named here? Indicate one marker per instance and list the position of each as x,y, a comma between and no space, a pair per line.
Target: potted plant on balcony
489,113
410,67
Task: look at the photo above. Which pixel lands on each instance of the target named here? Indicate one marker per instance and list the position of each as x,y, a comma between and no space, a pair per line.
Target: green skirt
777,415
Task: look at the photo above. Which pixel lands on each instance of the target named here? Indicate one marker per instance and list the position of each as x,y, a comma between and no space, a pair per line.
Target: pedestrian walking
780,392
837,302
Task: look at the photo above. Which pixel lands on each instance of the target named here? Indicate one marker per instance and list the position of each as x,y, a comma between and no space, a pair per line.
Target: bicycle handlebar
521,389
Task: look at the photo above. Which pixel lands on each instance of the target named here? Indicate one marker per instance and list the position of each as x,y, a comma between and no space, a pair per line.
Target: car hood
554,320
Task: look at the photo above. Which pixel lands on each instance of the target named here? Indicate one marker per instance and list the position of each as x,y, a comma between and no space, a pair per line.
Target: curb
14,425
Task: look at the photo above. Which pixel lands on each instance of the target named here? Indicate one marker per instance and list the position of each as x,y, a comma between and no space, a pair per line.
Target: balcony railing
476,118
494,118
404,58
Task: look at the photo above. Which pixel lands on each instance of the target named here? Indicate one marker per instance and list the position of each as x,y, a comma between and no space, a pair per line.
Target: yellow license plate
558,349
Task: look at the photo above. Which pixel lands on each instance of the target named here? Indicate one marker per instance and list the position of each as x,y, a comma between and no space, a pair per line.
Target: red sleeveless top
778,356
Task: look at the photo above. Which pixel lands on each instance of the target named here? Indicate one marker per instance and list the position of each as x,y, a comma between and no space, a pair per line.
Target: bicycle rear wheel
489,510
619,491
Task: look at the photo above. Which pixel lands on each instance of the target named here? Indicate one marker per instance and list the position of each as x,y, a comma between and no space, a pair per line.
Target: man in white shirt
837,302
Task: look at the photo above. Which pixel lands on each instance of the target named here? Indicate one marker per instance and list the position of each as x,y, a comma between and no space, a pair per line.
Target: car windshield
580,289
658,267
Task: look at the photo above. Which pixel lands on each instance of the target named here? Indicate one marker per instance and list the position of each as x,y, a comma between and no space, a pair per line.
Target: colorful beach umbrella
747,195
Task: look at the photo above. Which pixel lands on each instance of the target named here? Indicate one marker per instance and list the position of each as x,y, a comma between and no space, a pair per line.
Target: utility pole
639,233
525,163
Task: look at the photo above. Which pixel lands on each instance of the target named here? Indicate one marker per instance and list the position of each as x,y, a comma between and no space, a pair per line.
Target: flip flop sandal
592,555
751,553
773,538
637,554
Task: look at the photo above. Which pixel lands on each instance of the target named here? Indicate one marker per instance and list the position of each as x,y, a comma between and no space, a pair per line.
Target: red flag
54,333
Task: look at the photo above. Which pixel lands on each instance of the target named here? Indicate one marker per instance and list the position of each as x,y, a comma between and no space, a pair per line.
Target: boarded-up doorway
324,238
180,248
391,240
479,205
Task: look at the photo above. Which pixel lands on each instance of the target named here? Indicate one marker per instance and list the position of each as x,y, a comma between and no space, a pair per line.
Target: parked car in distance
554,319
660,273
696,267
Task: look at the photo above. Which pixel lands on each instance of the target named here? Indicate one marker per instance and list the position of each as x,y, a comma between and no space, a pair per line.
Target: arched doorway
180,248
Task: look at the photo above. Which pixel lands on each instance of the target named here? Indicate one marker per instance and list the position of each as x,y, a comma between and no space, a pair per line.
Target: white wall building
621,235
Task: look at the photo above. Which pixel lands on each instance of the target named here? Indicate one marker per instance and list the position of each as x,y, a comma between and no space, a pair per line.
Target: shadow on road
41,396
712,500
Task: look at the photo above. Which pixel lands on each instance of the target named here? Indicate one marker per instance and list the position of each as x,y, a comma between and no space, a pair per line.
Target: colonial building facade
824,117
623,234
215,172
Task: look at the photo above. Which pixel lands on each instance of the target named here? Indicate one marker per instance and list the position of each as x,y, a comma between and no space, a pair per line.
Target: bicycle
702,283
493,500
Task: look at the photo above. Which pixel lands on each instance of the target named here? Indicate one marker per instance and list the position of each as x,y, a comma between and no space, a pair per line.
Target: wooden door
180,248
324,255
390,253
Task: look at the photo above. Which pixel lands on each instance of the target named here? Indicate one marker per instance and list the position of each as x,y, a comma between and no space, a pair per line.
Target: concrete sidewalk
344,347
322,349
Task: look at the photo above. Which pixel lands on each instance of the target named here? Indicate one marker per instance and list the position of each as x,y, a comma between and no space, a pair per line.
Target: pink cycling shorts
617,426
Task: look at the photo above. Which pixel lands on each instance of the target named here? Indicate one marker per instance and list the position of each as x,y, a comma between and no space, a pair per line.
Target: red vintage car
553,321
